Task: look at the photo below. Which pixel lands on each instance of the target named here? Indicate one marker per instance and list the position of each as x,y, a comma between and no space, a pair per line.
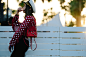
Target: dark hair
28,11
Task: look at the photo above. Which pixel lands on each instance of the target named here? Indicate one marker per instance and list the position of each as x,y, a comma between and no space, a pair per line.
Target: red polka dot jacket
28,24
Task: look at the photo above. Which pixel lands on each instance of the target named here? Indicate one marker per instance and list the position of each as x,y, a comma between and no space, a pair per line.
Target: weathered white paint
53,43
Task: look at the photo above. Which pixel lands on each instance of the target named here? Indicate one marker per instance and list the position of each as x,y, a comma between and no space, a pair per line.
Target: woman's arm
18,34
14,21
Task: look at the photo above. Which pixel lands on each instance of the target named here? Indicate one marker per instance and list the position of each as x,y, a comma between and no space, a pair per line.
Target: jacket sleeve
18,34
14,21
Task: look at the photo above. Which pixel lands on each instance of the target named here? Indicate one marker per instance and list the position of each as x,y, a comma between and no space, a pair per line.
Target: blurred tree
48,14
75,7
13,11
21,3
4,8
22,0
43,1
17,0
34,0
71,24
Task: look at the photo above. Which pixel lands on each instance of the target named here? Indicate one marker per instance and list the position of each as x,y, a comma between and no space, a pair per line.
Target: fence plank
72,34
6,34
43,52
36,52
73,47
48,40
73,41
44,28
38,40
5,53
10,34
76,29
39,46
6,28
35,56
39,28
72,53
41,56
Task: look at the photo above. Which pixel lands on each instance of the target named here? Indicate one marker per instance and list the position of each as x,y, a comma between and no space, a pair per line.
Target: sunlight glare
83,12
21,16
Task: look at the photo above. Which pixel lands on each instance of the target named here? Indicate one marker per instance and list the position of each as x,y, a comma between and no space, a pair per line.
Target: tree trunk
78,22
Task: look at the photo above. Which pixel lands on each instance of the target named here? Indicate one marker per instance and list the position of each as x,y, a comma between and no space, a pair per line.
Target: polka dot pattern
28,23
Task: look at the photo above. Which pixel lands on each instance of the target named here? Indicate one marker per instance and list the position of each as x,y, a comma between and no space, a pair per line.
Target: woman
15,22
26,29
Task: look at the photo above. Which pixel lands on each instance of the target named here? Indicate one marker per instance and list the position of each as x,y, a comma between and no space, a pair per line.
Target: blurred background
72,13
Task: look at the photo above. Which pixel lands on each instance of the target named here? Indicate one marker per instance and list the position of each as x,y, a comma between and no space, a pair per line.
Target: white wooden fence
51,42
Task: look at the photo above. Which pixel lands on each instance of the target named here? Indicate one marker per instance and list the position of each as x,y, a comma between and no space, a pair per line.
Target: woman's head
19,10
29,7
28,10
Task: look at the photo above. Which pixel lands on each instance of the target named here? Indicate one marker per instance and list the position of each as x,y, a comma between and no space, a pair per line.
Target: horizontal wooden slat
73,41
4,40
39,28
48,35
36,52
5,53
73,47
38,40
46,40
41,56
43,52
45,28
39,46
79,29
6,28
42,43
72,35
36,56
10,34
6,34
72,53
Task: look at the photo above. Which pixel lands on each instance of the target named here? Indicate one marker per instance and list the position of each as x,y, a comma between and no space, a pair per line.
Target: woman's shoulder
29,17
15,17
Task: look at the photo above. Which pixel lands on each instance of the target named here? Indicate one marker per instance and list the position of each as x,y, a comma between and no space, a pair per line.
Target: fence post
59,41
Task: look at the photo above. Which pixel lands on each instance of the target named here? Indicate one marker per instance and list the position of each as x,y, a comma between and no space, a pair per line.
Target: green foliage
71,24
61,1
45,12
34,0
51,8
43,1
17,0
4,9
3,4
49,0
63,6
13,11
76,6
46,16
21,4
51,16
22,0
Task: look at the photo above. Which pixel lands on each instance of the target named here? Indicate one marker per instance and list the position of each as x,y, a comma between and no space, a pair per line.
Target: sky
13,4
40,6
